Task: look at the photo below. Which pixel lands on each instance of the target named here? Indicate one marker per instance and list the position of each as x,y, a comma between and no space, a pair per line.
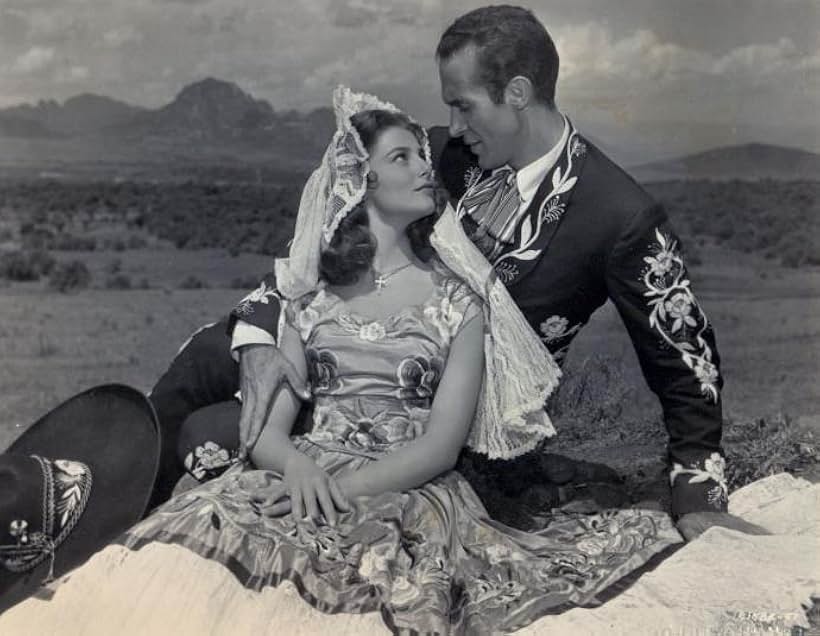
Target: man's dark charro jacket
590,234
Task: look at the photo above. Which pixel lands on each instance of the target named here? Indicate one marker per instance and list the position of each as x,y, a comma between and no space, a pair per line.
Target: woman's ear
372,180
518,92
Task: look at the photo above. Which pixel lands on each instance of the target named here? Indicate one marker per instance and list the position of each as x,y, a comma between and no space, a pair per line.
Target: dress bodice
373,381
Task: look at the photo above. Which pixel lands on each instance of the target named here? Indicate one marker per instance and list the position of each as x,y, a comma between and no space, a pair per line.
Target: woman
409,360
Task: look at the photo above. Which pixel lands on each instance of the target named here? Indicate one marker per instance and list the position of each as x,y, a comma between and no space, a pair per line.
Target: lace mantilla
520,373
336,187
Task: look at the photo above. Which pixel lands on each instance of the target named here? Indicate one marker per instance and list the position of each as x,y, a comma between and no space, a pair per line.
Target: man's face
491,130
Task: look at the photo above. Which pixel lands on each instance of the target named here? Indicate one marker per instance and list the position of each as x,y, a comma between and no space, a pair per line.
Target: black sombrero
71,483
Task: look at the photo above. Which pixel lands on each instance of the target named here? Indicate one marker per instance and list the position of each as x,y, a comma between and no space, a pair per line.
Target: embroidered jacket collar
530,176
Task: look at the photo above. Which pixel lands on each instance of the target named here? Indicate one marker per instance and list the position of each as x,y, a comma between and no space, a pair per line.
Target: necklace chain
381,279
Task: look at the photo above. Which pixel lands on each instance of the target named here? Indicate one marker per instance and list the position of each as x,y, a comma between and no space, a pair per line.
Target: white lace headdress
336,187
520,372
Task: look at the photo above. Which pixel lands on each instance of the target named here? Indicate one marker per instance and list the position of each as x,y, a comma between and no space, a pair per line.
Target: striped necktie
492,206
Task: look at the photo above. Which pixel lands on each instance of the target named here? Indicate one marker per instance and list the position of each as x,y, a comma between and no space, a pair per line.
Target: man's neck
541,129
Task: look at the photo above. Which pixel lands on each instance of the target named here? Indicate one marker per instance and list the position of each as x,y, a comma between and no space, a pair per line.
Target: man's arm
648,282
262,367
260,308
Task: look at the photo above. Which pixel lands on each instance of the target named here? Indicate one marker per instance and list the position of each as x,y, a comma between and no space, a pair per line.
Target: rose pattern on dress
380,431
714,468
323,369
419,377
445,317
261,294
372,331
306,320
367,427
675,313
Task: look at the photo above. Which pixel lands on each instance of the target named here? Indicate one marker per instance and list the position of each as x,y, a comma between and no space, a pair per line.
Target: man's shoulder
604,184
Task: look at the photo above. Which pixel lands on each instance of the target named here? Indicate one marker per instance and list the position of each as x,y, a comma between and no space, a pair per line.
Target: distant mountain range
215,122
747,161
208,120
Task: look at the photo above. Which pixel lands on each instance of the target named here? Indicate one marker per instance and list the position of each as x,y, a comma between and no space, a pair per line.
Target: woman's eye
402,156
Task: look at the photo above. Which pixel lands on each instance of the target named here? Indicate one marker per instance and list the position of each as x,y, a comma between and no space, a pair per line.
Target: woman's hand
306,491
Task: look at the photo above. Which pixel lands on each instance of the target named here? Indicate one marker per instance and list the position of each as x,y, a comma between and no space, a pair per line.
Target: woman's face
404,186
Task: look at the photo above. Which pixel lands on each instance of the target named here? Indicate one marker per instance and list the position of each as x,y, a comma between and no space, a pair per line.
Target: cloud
13,26
115,38
354,14
589,53
759,59
78,73
34,60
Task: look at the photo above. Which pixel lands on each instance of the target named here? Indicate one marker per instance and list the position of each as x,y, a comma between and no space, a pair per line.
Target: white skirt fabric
724,582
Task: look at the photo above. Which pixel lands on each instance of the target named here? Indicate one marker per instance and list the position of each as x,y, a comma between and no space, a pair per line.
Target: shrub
43,261
192,282
25,266
71,276
245,282
72,243
136,242
764,447
118,281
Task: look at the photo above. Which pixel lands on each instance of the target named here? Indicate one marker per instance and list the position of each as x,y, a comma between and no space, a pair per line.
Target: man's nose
457,125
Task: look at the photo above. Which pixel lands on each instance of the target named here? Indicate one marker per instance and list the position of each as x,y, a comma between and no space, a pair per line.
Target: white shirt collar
530,176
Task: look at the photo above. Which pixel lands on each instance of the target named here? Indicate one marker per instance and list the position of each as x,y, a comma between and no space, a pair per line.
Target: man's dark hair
509,41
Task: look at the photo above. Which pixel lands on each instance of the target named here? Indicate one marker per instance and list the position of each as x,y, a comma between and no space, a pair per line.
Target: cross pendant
381,283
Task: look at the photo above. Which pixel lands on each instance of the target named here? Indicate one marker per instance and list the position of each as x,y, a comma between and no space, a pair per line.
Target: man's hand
693,524
262,369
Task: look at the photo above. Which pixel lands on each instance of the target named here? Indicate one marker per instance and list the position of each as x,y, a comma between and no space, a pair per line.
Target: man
565,229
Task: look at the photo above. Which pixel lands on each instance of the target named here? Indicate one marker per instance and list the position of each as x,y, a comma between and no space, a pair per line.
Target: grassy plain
765,313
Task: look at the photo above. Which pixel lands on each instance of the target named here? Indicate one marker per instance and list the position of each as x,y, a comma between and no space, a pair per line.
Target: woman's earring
372,180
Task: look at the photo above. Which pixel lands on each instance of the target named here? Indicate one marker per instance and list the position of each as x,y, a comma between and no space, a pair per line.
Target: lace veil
520,372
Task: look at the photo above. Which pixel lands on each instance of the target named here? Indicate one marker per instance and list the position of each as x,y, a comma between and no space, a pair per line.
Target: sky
674,72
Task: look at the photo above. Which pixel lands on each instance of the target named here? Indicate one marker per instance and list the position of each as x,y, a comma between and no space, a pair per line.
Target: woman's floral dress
430,559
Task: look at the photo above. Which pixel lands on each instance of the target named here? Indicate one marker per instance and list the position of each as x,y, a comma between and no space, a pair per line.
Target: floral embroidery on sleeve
714,468
676,315
556,327
557,334
208,461
261,294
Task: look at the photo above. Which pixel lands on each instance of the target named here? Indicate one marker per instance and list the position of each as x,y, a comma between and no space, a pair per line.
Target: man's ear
518,92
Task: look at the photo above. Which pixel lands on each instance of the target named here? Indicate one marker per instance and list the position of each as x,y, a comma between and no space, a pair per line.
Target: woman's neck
393,248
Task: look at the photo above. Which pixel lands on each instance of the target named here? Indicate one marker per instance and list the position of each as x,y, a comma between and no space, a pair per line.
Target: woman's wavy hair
351,250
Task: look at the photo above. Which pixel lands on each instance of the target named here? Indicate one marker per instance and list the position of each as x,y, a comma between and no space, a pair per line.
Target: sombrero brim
114,430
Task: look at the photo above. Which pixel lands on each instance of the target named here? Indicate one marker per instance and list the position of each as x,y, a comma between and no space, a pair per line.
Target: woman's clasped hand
306,491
